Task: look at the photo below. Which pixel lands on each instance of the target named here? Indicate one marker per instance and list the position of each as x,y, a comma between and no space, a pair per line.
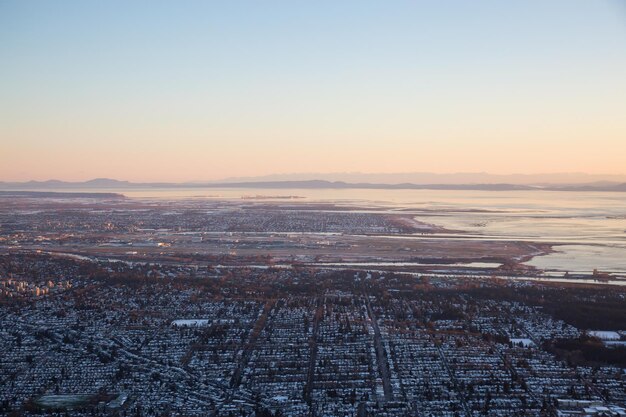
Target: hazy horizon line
340,176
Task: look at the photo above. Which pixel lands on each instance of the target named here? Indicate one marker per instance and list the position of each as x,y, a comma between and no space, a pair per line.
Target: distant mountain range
111,184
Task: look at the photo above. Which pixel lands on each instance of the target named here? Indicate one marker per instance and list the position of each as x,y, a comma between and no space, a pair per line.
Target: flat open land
194,231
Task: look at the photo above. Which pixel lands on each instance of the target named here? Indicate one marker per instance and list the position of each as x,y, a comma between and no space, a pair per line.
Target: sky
203,90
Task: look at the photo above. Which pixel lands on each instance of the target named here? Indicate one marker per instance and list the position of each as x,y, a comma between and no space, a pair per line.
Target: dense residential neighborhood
297,342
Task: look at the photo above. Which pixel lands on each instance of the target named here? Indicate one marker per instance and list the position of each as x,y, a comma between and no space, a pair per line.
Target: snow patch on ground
524,341
604,335
190,322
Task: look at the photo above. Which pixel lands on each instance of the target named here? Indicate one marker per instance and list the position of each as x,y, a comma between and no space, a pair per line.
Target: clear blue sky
190,90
